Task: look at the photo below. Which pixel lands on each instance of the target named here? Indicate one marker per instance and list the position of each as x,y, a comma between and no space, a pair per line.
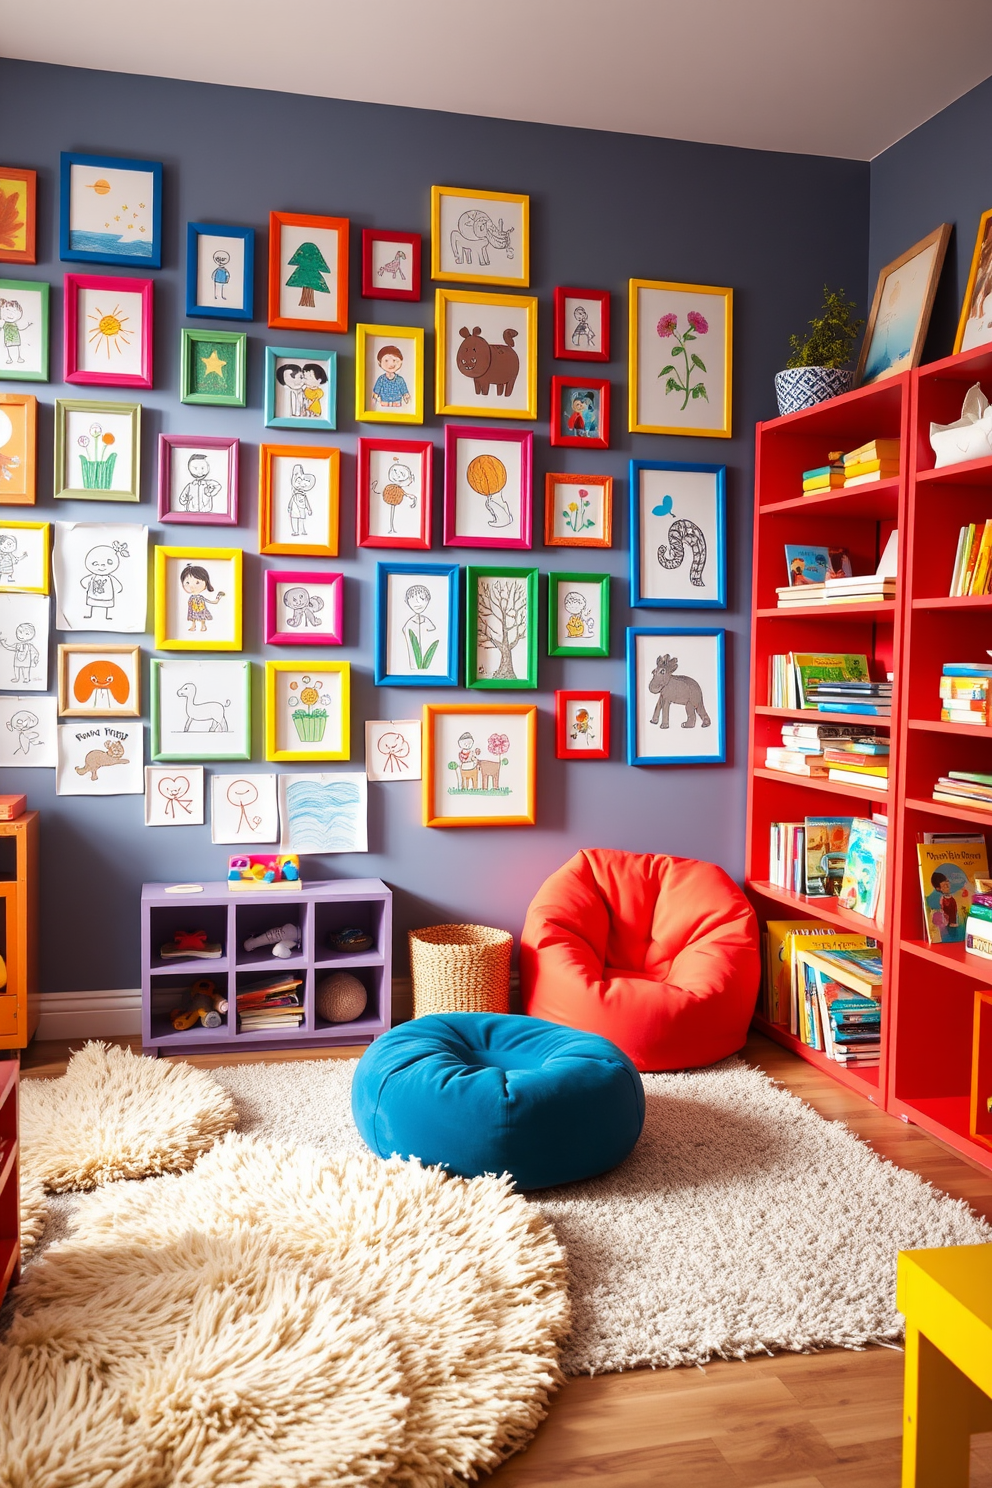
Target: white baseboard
117,1013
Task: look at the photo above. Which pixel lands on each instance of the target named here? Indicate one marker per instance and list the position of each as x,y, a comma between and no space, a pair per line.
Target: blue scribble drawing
666,509
324,813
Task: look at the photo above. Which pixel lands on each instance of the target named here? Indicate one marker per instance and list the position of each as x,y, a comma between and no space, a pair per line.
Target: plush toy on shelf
283,939
191,945
204,1004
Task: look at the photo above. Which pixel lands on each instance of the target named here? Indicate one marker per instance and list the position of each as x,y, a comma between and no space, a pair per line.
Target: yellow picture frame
386,415
681,374
462,302
308,722
9,563
982,250
473,249
192,641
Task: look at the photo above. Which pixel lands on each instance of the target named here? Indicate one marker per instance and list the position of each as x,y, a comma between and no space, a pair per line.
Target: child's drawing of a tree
502,619
310,266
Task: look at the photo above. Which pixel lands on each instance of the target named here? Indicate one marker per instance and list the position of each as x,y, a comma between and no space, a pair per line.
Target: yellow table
946,1297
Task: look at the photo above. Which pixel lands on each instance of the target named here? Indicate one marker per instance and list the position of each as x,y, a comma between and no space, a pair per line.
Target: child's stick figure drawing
25,725
242,794
26,654
221,274
176,791
299,507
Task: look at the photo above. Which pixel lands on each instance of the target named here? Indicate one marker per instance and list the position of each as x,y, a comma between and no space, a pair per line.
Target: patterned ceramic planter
804,387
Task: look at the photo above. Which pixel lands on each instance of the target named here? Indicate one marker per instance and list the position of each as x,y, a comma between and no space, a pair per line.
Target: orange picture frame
310,272
597,516
18,455
294,542
18,197
491,793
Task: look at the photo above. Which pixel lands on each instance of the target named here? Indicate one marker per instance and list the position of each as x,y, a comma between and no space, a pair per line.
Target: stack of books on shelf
834,752
964,693
823,575
953,872
965,788
831,695
877,460
830,682
780,941
858,762
839,856
840,1008
274,1003
827,477
972,572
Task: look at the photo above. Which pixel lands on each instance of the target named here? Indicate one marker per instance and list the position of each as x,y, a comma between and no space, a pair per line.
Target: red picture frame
563,722
339,225
567,327
374,286
419,449
109,286
566,393
24,212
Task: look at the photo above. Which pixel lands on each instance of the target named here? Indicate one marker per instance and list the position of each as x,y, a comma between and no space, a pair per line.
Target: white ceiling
827,77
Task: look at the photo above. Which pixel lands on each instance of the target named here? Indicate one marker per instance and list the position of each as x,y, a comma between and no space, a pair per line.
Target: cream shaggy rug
741,1223
279,1316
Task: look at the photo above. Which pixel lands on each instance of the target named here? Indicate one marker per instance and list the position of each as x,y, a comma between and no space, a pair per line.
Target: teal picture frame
321,360
595,626
206,345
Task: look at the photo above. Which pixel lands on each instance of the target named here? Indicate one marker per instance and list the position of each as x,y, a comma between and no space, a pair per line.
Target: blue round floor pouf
495,1093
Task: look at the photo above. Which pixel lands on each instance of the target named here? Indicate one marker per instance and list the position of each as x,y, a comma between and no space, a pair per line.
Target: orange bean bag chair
658,954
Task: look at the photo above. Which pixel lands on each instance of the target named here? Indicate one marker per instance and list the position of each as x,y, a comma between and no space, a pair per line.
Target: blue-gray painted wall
605,207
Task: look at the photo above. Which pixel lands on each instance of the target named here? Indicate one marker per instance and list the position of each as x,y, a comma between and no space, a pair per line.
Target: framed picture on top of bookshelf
900,312
975,324
678,535
675,696
681,338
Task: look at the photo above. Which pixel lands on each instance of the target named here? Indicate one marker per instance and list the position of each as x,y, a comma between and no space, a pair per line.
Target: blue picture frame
94,245
312,356
196,230
712,522
661,635
448,675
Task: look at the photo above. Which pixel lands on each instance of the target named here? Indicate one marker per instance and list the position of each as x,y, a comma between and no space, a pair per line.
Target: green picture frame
579,618
492,620
99,462
207,743
31,298
206,375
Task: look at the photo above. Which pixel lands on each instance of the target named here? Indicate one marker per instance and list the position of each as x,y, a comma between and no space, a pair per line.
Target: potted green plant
815,371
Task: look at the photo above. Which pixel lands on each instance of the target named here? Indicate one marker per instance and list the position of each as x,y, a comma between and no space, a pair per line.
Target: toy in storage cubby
317,908
860,519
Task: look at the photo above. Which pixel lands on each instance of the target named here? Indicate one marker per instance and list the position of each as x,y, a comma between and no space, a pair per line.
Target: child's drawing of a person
582,728
390,389
581,621
10,316
8,557
100,584
221,274
582,333
26,654
196,583
299,507
198,494
418,597
290,375
314,382
25,725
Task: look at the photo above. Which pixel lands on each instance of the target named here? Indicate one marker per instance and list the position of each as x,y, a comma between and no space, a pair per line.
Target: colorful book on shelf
795,761
824,477
858,968
808,936
967,688
812,667
863,710
854,751
873,449
947,884
967,669
806,565
826,853
861,888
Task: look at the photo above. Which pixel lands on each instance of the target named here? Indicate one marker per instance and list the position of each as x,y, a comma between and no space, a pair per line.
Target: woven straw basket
460,969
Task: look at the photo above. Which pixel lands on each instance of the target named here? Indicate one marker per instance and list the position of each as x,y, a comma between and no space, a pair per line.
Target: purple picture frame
168,447
524,438
322,628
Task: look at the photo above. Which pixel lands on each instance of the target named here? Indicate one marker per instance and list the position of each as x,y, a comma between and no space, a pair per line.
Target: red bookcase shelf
925,1079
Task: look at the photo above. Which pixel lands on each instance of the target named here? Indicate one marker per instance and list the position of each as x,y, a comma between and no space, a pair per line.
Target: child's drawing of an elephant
477,231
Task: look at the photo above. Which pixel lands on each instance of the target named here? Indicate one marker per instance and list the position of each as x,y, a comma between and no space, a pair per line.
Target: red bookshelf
935,1079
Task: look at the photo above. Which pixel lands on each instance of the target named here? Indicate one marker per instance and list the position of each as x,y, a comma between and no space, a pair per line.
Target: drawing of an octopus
672,554
305,607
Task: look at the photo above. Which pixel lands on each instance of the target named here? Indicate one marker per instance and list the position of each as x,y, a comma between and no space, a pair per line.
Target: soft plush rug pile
276,1316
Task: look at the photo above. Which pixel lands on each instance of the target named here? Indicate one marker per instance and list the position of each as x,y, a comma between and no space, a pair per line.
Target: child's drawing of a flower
681,382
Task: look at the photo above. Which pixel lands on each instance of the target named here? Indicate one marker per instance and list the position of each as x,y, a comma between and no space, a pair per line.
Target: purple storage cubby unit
231,917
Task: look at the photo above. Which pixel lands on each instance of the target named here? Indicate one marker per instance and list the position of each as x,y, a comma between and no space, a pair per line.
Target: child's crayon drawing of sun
110,330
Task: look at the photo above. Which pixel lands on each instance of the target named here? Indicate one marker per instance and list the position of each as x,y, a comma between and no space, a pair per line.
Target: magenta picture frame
524,438
329,631
110,285
168,447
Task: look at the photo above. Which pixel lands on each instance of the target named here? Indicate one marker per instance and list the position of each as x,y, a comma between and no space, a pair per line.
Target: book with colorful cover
859,890
858,968
826,853
812,565
783,937
812,667
948,871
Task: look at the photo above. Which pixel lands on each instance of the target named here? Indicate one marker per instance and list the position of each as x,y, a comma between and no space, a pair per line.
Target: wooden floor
829,1420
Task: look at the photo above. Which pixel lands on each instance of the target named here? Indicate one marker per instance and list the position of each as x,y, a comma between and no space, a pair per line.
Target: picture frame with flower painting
24,330
580,412
390,265
680,358
582,324
578,510
18,198
108,331
582,725
298,499
488,476
97,450
395,493
198,479
480,765
307,710
18,449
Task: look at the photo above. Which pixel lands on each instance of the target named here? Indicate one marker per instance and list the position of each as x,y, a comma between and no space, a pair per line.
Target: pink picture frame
377,459
393,273
195,502
581,338
488,487
103,346
312,618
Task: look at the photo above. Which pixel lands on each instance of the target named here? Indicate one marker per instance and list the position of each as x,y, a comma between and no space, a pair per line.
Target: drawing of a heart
171,788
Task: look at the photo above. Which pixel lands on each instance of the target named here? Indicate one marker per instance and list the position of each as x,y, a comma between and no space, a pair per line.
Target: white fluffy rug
277,1316
742,1222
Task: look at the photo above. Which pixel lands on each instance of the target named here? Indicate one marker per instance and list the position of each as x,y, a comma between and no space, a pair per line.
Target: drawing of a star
213,363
